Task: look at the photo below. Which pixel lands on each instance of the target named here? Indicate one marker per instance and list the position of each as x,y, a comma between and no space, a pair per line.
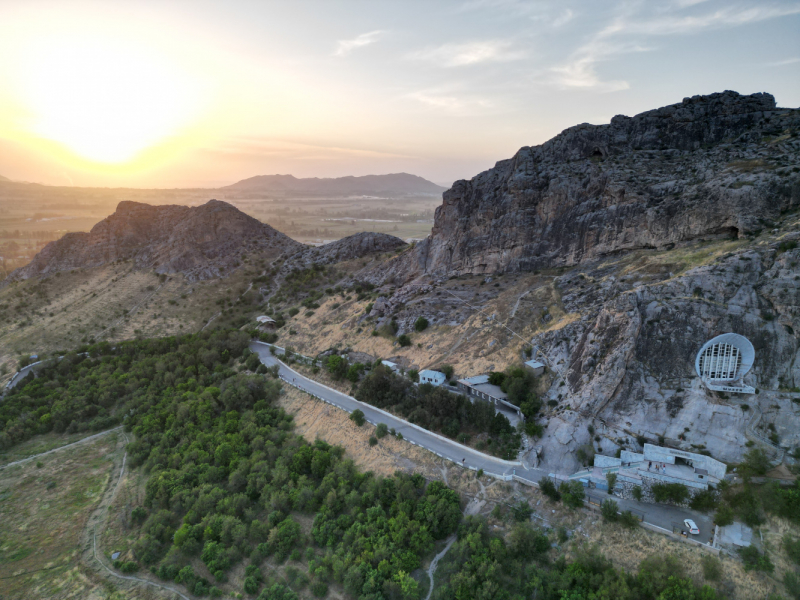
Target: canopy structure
723,362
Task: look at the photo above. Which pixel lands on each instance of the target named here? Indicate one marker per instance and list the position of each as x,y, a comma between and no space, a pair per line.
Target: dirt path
86,439
98,519
435,563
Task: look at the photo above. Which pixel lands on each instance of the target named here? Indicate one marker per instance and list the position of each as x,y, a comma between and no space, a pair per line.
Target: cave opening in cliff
597,153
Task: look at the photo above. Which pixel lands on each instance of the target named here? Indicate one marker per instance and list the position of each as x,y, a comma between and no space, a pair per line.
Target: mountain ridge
706,166
202,242
395,183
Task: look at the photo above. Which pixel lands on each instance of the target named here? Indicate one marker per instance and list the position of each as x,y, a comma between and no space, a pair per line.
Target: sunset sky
200,94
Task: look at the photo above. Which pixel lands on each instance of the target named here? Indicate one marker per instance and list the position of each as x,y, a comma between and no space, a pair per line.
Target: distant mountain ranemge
394,184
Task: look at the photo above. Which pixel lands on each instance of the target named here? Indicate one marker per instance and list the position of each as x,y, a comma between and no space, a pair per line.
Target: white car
691,526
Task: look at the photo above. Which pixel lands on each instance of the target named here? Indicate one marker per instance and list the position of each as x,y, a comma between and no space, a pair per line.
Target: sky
202,94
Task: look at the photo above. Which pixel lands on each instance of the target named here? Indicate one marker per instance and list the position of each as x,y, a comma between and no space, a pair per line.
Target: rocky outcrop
717,165
200,242
628,363
353,246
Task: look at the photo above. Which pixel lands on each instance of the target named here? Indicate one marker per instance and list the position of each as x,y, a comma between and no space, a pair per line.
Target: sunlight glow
104,100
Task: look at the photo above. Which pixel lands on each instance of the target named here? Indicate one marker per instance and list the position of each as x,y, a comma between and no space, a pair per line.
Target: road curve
656,514
439,445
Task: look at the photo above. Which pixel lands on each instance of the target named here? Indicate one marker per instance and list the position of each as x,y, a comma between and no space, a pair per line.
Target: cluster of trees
228,477
483,566
91,389
436,409
519,383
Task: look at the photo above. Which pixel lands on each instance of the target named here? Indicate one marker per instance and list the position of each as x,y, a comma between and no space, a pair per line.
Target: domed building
723,362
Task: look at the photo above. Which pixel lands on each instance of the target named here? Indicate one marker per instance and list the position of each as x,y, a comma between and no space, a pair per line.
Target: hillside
199,242
615,252
718,165
394,184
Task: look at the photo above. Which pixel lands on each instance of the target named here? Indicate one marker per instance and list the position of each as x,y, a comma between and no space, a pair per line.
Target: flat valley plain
33,215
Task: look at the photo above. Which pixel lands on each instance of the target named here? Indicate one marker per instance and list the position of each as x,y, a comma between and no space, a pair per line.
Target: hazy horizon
201,95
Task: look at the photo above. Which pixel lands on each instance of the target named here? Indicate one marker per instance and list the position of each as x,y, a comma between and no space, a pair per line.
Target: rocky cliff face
200,242
711,165
629,361
348,248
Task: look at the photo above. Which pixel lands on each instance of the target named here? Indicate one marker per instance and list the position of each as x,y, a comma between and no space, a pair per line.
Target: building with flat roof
478,386
432,377
535,366
654,465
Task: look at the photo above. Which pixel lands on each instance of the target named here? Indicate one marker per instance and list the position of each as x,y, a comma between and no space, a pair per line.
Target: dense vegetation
483,566
229,481
436,409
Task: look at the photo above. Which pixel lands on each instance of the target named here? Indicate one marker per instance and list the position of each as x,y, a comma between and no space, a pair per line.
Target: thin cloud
726,17
580,70
450,103
345,47
470,53
783,63
565,17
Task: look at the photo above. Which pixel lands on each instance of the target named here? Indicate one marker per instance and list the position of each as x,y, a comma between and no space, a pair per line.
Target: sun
106,101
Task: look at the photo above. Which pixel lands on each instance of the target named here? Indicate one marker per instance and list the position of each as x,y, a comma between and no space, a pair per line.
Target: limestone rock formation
348,248
200,242
710,165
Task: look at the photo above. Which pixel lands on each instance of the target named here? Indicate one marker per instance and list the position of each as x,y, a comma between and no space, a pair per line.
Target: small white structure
432,377
265,320
723,362
393,366
535,366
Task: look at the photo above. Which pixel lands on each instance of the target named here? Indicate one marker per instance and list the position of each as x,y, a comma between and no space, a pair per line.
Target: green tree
609,511
611,479
404,340
357,417
421,324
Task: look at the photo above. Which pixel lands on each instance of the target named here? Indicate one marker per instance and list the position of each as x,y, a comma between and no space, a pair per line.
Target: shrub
522,512
637,492
404,340
792,583
413,374
381,430
549,489
319,589
611,478
704,501
755,560
250,585
447,370
421,324
628,520
572,493
756,462
373,441
712,567
534,430
357,417
670,492
792,547
129,567
609,511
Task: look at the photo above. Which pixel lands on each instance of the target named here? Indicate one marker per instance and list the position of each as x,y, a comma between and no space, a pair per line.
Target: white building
723,362
432,377
535,366
393,366
656,465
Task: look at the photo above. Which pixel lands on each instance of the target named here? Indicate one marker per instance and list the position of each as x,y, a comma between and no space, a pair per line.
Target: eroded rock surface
200,242
711,165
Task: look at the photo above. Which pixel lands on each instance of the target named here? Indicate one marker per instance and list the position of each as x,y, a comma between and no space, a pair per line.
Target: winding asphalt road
656,514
